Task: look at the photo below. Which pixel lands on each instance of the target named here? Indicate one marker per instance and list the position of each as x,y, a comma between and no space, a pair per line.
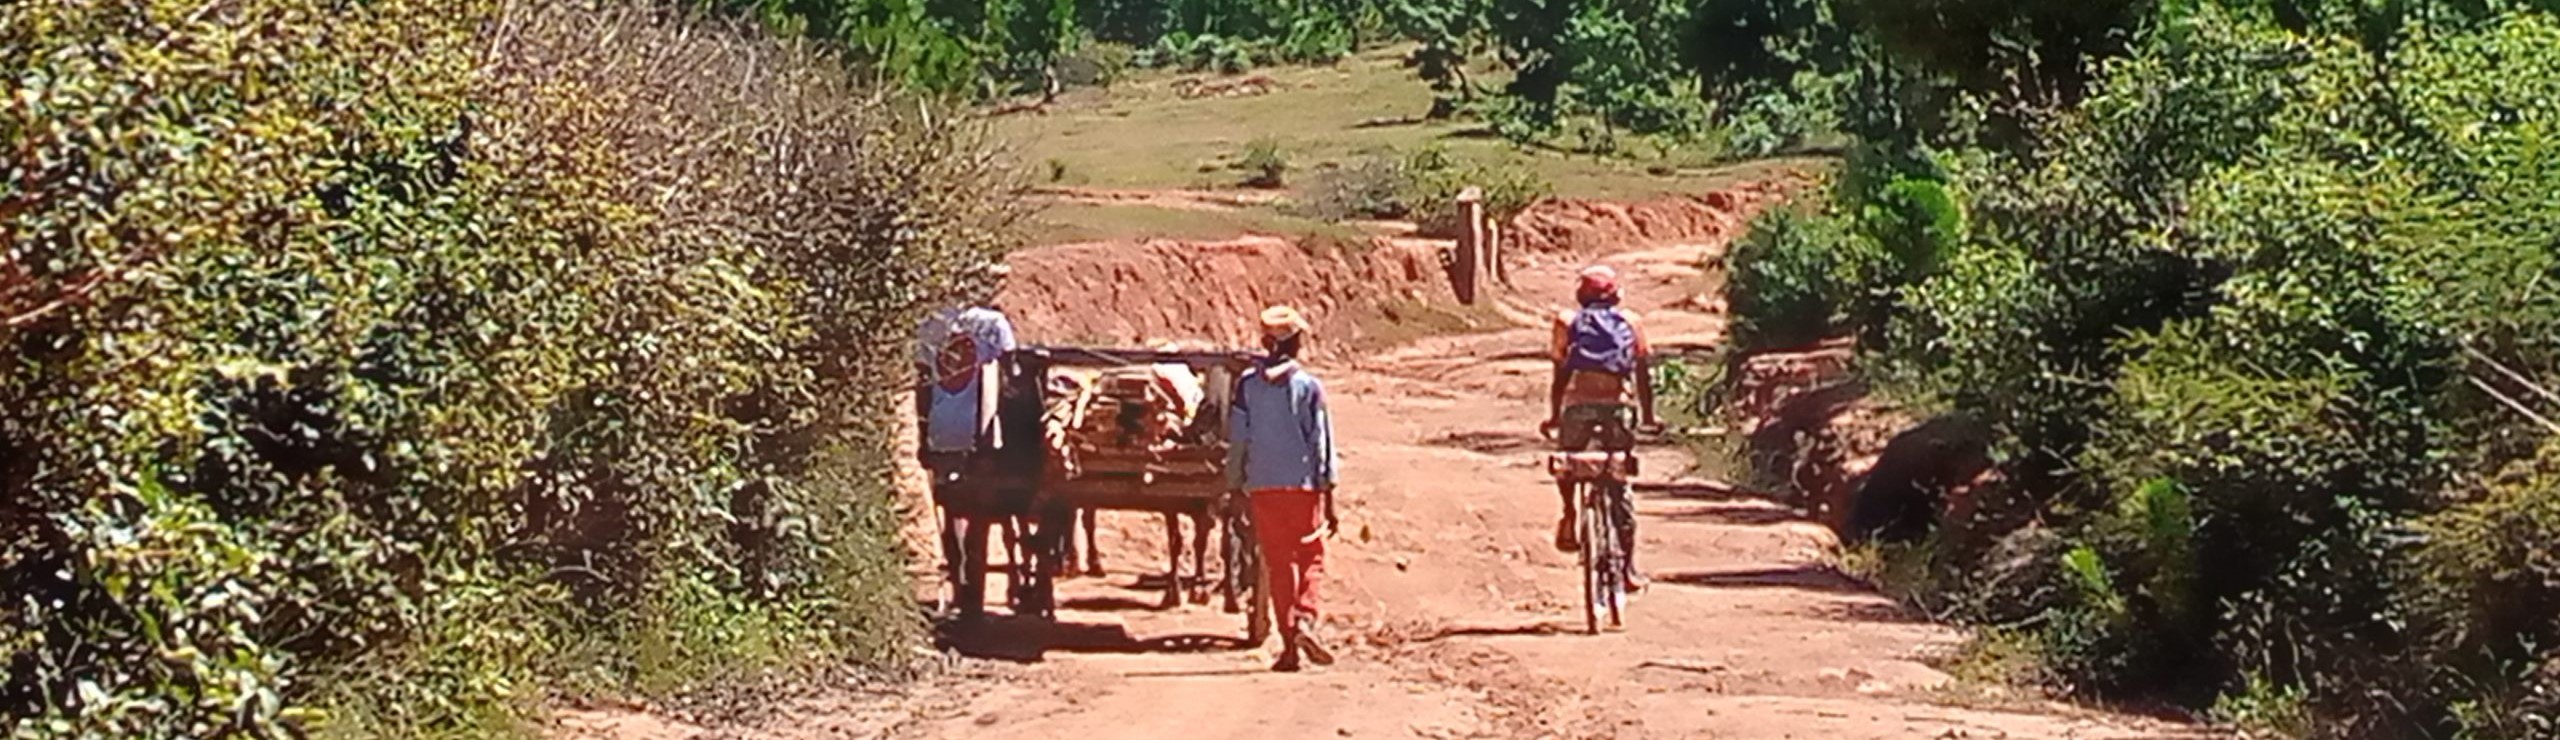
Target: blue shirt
1279,434
951,418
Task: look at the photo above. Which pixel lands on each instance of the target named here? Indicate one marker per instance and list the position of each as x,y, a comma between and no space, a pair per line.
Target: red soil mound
1588,226
1158,291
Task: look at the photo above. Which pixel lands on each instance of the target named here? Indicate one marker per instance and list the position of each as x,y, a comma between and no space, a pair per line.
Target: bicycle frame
1594,475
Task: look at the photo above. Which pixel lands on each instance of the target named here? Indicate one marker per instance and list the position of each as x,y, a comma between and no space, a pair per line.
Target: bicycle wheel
1615,571
1594,559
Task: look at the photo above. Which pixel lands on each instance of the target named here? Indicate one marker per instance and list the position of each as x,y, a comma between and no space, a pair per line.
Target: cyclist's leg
1573,434
1617,432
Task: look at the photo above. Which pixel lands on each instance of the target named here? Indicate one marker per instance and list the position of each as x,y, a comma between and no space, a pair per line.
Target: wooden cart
1028,486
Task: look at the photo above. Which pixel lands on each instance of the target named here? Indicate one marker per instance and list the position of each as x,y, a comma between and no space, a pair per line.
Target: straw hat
1282,322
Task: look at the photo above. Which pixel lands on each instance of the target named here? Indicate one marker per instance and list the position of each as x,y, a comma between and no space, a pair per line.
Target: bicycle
1602,479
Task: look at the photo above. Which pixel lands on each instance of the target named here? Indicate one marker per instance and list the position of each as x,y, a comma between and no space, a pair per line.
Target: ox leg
1068,564
1011,539
952,573
1200,526
1172,561
1092,545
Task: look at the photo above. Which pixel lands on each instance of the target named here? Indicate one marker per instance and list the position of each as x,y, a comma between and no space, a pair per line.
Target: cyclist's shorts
1610,425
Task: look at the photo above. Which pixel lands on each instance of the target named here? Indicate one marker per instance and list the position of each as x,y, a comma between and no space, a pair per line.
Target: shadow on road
1872,611
1111,604
1703,490
1801,577
1755,516
1526,629
1028,640
1491,443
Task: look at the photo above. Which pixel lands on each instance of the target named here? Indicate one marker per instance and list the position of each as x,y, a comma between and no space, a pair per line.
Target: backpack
957,364
1600,340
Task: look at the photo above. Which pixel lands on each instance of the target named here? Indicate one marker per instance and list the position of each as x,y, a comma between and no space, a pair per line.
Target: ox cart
1112,430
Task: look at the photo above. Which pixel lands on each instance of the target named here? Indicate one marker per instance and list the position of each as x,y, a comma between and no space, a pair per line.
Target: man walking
956,354
1280,452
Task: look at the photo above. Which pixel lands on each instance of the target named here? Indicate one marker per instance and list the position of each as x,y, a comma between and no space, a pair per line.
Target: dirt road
1455,615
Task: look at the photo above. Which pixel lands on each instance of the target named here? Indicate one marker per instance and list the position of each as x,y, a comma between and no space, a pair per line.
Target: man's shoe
1288,662
1566,539
1306,643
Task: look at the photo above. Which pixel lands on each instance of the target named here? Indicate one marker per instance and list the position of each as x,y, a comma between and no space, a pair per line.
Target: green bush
1098,63
1434,179
401,368
2489,583
1265,165
1317,35
2264,709
1207,52
1920,226
2275,262
1423,185
1370,187
1788,287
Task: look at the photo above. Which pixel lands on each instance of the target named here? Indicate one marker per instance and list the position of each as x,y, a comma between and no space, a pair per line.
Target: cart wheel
1257,619
1234,557
1249,582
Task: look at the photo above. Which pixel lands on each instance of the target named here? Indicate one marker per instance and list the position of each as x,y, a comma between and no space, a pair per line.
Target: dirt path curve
1455,615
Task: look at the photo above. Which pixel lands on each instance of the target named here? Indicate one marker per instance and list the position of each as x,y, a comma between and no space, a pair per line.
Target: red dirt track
1455,616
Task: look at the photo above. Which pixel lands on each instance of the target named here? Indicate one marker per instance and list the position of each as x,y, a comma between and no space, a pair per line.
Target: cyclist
1600,383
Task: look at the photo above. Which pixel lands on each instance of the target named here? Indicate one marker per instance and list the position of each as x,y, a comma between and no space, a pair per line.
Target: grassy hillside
1324,120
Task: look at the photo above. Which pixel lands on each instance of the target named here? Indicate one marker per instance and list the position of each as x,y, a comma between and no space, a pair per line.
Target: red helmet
1599,283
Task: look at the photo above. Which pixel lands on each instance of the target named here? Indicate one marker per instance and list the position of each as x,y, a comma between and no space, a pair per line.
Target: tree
1451,32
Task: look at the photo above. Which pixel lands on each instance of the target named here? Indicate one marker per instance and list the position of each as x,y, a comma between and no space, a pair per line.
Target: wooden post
1471,245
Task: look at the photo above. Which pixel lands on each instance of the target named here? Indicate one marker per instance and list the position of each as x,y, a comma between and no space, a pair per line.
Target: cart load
1132,419
1131,431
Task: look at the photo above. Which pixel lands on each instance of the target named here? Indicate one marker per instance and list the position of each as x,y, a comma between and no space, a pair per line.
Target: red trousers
1282,519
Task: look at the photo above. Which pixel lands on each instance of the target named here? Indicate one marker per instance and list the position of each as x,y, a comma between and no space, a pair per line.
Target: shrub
2257,263
1920,226
2263,709
1434,179
1788,285
1371,187
2489,584
1317,35
1265,165
405,366
1098,63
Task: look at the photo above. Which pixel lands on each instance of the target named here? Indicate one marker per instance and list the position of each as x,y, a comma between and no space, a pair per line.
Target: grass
493,652
1080,222
1139,134
1996,657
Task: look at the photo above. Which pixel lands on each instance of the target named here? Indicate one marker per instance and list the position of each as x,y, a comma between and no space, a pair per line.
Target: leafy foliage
982,48
1787,289
1434,178
1423,185
472,345
2251,304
